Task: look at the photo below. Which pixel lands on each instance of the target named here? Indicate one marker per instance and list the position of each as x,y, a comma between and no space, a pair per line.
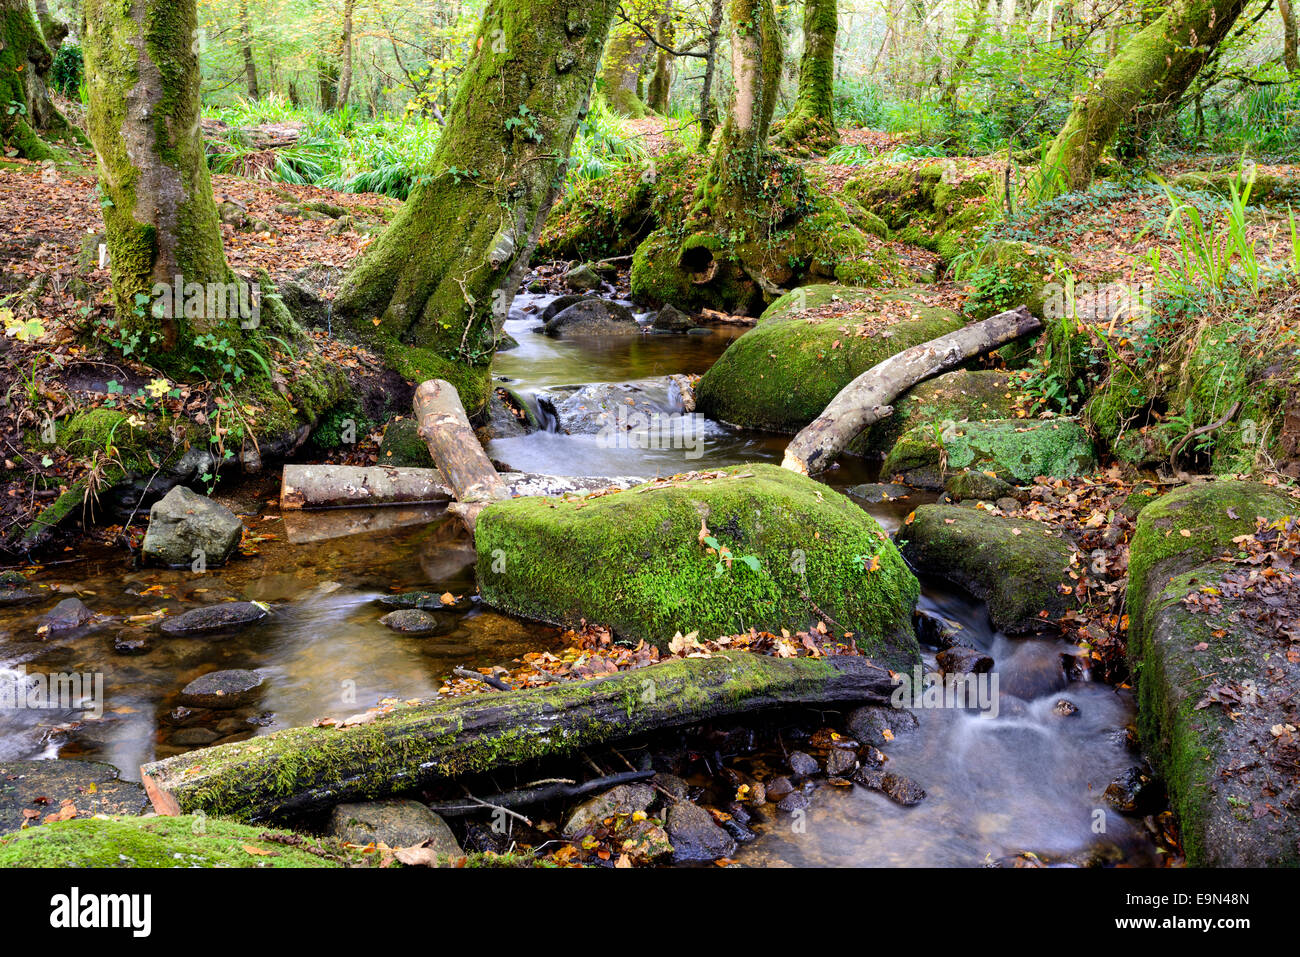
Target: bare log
306,769
866,400
350,486
456,450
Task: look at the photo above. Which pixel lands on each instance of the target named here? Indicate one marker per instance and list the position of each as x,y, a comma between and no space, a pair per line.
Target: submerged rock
1017,565
1015,450
394,822
15,590
228,616
1134,792
899,789
870,722
624,799
223,689
413,621
184,525
781,374
68,615
638,562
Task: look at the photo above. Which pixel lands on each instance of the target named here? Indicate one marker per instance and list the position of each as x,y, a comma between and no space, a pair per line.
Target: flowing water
1027,780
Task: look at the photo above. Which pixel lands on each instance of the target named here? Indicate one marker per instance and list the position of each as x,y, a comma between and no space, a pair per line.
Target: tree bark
1152,70
302,770
430,293
345,71
350,486
708,115
53,30
455,448
866,400
246,48
159,215
1290,54
624,58
28,120
661,83
810,125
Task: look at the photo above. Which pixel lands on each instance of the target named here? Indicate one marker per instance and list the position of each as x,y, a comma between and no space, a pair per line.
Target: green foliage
67,73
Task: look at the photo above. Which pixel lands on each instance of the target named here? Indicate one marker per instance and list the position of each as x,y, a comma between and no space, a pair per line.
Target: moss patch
1016,450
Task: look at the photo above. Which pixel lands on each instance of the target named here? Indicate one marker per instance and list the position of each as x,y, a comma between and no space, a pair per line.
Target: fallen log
350,486
455,448
299,770
867,399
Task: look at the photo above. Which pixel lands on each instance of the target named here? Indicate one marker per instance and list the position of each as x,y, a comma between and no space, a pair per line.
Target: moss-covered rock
1015,450
402,446
1005,273
634,561
1019,566
951,397
781,374
1178,654
126,842
1265,188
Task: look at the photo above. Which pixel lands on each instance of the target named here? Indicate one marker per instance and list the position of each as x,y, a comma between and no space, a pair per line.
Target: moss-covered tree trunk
159,215
28,120
53,29
661,83
1153,69
709,115
345,42
1290,48
625,58
810,125
431,292
246,50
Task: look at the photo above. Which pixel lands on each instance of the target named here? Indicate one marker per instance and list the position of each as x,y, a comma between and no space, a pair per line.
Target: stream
1027,780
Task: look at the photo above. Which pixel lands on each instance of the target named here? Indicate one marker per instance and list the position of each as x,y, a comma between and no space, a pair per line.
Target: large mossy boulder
128,842
1019,566
952,397
1015,450
636,561
1213,754
781,374
1005,273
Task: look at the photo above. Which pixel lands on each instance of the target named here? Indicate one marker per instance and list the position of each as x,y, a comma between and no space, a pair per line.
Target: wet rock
508,416
840,761
937,631
212,619
623,799
1034,670
223,689
874,493
803,765
672,785
583,278
412,621
963,661
869,722
132,643
396,823
794,801
184,523
672,319
195,737
42,787
977,486
558,305
695,836
607,407
1065,709
1017,565
739,832
427,600
15,590
898,788
644,841
68,615
1134,792
594,317
739,812
778,787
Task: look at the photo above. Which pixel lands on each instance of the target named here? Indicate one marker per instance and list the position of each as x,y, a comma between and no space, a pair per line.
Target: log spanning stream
1027,780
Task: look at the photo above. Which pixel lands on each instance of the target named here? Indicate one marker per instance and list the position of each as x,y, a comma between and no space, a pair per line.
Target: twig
492,680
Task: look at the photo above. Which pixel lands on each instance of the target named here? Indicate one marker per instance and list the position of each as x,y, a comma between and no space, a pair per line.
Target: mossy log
866,400
300,770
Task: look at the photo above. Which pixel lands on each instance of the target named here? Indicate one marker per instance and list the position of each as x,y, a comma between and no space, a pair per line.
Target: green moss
781,374
951,397
1016,450
1005,274
403,447
128,842
634,561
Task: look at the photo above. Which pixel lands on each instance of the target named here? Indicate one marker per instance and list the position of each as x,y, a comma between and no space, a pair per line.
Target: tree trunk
708,115
53,30
345,72
1152,70
159,215
300,770
430,293
246,45
28,120
866,400
624,58
811,124
967,51
327,82
661,83
1290,56
350,486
